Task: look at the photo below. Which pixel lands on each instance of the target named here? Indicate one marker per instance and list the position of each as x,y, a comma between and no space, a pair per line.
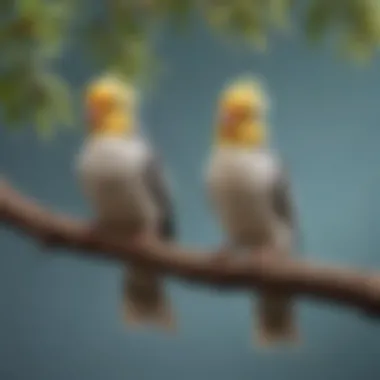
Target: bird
124,180
249,191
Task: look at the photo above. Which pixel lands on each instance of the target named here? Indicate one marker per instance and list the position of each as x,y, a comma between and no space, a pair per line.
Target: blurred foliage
34,33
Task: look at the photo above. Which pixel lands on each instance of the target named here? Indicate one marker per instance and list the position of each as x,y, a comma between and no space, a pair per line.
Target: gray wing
284,205
282,198
157,184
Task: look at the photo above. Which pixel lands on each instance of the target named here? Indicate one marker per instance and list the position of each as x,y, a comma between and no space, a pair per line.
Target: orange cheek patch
97,110
231,119
230,130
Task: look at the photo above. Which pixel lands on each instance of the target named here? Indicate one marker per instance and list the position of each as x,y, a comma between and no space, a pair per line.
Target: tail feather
145,300
277,322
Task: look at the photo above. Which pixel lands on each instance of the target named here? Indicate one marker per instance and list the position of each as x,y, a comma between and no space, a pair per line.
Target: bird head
111,106
242,107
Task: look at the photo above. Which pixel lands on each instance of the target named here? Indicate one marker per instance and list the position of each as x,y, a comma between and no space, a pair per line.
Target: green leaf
365,20
218,15
30,7
243,19
121,41
44,122
179,12
60,102
279,12
6,5
52,30
55,96
318,18
12,116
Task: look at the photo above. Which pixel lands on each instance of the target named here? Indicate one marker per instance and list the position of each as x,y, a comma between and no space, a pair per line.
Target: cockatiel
249,191
122,177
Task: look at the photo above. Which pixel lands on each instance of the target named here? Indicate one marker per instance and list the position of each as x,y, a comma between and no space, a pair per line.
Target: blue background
59,315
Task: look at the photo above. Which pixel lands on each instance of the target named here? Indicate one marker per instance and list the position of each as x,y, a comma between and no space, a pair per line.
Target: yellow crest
112,87
241,113
111,104
244,91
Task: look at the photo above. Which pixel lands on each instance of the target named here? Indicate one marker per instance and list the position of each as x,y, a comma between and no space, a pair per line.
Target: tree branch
347,287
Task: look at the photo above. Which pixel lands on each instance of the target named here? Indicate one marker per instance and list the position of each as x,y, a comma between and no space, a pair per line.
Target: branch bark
344,286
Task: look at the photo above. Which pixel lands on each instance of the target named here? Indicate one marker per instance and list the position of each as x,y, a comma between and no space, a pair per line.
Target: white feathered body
240,183
242,186
112,172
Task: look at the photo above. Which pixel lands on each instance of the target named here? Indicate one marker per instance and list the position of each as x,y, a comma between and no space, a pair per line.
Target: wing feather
158,186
